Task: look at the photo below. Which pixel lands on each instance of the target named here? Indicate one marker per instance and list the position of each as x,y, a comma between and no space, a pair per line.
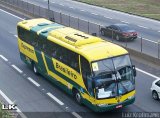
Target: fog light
130,97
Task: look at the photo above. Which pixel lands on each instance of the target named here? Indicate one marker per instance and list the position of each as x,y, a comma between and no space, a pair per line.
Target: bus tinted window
24,35
27,36
41,43
85,67
64,55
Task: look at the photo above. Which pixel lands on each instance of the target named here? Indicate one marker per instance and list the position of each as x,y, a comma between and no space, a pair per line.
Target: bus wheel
77,96
35,70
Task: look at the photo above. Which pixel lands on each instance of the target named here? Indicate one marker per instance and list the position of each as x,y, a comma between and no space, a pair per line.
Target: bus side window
41,43
63,54
73,60
20,33
34,39
26,36
86,71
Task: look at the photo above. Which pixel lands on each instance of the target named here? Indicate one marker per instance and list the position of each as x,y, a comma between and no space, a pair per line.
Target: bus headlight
130,97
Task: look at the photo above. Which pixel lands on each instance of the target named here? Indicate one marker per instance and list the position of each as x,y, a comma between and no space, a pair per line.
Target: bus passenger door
86,75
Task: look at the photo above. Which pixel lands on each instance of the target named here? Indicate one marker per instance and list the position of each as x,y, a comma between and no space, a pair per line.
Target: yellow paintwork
28,24
124,97
80,37
27,50
101,50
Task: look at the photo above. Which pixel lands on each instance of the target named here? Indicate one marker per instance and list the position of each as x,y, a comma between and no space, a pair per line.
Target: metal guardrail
141,44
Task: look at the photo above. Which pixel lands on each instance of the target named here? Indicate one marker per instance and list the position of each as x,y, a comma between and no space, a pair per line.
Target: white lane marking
94,14
76,115
16,36
149,74
4,58
11,14
61,4
149,40
71,7
108,17
34,82
54,98
142,26
15,67
82,10
10,102
123,13
158,31
125,22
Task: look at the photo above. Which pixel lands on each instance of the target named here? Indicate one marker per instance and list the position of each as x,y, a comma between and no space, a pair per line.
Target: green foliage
146,8
4,114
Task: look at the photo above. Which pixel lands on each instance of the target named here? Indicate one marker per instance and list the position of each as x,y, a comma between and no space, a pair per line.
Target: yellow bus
95,72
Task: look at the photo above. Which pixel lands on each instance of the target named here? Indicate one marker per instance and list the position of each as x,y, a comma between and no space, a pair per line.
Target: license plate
119,106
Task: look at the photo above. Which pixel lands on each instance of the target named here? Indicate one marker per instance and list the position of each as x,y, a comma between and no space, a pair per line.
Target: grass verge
146,8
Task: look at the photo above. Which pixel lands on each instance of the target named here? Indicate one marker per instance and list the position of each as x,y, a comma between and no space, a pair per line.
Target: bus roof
91,47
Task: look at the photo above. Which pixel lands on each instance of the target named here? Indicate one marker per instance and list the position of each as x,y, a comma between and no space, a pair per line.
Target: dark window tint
86,71
27,36
64,55
110,27
41,43
158,83
125,28
114,27
33,39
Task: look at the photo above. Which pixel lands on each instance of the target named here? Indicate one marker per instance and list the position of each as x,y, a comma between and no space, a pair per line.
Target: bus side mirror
134,70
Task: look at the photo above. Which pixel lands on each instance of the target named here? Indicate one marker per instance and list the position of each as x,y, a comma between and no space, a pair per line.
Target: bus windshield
113,76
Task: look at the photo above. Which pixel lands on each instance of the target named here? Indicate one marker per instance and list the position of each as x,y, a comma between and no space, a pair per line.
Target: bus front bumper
104,108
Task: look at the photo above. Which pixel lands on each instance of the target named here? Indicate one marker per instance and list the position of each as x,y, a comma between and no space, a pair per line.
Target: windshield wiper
122,67
105,72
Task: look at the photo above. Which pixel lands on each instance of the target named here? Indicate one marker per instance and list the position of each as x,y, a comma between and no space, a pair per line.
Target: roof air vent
45,31
85,37
71,39
43,24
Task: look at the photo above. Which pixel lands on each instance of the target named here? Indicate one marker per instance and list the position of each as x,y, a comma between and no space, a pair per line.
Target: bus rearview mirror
134,70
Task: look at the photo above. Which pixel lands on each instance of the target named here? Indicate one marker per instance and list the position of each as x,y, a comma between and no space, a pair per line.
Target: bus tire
77,96
34,67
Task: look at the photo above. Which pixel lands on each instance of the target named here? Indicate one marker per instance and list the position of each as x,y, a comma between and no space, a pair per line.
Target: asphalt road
33,98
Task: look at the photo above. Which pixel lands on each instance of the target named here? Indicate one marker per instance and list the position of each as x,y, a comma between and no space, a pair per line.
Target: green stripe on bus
50,66
39,27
